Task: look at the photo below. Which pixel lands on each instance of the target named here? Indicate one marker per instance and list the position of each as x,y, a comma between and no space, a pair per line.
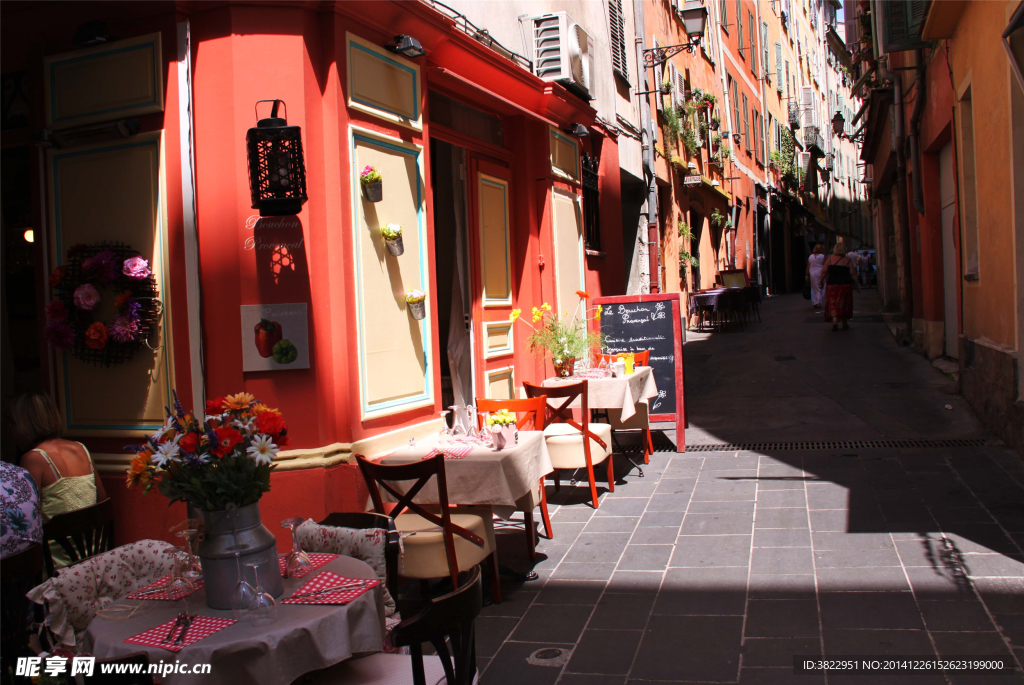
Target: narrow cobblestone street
720,566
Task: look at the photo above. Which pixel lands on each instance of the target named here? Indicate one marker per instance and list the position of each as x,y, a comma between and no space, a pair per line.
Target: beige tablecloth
484,476
305,637
614,393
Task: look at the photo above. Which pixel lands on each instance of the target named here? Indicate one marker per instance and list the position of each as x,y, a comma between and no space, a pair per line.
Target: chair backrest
138,659
20,572
368,521
640,357
534,410
379,476
82,533
559,411
450,616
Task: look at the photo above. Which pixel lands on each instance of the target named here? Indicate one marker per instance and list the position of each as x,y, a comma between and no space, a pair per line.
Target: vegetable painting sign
275,337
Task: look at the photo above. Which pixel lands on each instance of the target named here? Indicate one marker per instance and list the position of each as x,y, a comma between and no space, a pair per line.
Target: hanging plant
89,274
717,218
690,141
672,127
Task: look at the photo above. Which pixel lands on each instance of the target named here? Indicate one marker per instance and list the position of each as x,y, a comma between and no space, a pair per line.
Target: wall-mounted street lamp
406,46
277,172
838,122
695,19
578,130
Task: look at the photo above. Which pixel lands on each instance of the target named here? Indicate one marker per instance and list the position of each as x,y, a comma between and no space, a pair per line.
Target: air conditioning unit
563,52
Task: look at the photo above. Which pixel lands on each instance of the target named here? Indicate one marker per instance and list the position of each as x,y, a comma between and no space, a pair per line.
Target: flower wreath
76,289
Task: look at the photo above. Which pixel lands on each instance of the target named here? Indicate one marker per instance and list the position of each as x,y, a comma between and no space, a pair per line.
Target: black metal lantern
277,173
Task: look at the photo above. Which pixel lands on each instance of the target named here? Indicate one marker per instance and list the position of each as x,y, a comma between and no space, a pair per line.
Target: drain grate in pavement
842,445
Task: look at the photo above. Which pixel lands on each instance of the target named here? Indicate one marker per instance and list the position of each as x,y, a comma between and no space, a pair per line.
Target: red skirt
838,301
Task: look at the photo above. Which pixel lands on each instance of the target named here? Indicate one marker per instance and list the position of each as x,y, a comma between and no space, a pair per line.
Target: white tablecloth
485,476
614,393
305,637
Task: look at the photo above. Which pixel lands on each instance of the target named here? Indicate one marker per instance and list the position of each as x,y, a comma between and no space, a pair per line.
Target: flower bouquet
392,234
502,427
416,300
220,465
566,339
372,183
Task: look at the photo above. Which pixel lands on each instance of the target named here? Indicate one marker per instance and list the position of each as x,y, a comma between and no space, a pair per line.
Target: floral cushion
365,544
77,593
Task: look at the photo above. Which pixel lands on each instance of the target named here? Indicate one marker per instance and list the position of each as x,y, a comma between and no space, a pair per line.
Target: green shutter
902,20
778,66
739,28
753,42
617,27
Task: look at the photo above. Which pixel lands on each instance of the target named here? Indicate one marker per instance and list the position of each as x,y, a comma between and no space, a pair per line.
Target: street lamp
277,172
695,18
406,46
838,122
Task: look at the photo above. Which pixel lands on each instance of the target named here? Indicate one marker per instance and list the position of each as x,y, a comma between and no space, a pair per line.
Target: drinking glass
471,429
603,367
485,432
180,563
457,428
445,431
298,563
194,573
262,608
244,594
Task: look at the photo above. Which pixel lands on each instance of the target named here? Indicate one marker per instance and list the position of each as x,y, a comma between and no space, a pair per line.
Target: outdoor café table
485,476
621,393
305,637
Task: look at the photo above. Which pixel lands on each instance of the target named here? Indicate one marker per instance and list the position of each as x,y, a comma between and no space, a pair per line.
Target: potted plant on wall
219,463
416,300
392,234
372,183
566,338
716,122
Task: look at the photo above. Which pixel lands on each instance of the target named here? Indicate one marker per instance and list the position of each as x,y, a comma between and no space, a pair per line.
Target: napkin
202,626
328,579
197,585
451,452
317,559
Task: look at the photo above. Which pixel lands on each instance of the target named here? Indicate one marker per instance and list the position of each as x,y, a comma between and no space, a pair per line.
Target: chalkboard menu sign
632,323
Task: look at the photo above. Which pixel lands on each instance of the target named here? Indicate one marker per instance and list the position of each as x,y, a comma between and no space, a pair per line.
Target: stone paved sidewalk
721,566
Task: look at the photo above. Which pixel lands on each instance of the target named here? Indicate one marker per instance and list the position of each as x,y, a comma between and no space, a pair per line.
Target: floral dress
21,523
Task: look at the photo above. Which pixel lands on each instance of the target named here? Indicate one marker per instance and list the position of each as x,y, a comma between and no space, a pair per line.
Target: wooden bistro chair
533,411
369,521
81,534
20,572
572,444
639,421
437,540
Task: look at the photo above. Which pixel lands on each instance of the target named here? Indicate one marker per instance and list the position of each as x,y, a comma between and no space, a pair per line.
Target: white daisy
167,452
245,427
262,449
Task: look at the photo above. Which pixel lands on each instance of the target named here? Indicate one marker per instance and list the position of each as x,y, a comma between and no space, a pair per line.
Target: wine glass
262,608
194,572
299,563
445,431
244,593
485,433
180,586
457,429
471,429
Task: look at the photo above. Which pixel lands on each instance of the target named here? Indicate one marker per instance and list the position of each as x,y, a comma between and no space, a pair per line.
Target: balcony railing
813,140
794,115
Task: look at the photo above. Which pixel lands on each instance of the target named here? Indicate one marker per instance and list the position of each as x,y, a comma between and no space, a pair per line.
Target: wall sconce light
277,172
692,165
838,121
715,184
406,46
578,130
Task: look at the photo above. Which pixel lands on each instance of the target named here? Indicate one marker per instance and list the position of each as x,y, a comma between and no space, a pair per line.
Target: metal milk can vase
224,530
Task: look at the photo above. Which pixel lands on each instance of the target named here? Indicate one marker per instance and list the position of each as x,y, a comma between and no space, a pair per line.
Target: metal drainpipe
735,232
901,182
915,129
647,143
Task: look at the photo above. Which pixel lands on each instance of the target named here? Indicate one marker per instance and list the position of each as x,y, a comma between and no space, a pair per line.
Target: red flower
583,294
227,438
282,440
96,336
121,300
57,276
270,423
189,443
215,406
56,310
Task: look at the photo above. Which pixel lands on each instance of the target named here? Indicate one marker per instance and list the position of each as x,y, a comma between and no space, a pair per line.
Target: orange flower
259,408
138,472
57,276
583,294
96,336
122,299
238,402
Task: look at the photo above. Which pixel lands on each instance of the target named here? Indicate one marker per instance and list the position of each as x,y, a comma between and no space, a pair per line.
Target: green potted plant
372,183
392,234
690,141
416,300
716,122
565,338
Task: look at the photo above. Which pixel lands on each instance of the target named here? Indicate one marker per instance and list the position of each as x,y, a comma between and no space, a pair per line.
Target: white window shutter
807,104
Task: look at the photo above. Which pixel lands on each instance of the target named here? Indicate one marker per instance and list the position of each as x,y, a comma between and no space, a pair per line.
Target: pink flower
86,296
59,334
136,267
56,310
124,328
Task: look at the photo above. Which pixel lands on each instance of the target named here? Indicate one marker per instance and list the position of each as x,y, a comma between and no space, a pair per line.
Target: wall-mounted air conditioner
563,52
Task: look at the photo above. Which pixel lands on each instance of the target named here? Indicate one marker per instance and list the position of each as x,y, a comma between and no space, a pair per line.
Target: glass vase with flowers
566,338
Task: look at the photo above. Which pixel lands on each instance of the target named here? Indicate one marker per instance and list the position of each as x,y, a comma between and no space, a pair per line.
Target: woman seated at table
62,469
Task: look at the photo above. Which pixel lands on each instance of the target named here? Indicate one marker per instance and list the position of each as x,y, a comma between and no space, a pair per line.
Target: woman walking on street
814,267
841,276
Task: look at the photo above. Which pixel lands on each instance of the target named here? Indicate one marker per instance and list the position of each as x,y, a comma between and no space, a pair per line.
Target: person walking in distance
814,267
841,275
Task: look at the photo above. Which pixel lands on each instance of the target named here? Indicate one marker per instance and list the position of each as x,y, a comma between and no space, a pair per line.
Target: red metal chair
572,444
534,411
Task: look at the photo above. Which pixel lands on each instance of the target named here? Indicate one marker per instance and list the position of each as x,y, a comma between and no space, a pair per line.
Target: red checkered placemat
202,626
328,579
197,585
451,452
317,559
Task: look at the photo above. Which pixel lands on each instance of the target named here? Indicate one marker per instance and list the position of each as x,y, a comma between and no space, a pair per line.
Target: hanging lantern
277,174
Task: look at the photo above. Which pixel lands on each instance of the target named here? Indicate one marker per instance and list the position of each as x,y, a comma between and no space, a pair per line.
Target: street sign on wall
694,180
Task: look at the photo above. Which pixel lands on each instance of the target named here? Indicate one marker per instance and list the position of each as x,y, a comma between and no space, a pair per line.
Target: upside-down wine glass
457,429
194,573
180,586
263,608
298,563
244,594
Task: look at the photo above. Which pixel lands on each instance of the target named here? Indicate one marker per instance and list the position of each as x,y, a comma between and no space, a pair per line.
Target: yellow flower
238,402
139,470
515,314
546,307
597,313
537,315
259,408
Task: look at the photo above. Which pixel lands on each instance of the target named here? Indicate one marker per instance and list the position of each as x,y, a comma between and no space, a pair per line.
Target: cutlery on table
189,620
177,622
321,591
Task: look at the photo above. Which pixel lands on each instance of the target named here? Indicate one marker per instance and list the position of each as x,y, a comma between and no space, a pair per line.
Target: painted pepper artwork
268,334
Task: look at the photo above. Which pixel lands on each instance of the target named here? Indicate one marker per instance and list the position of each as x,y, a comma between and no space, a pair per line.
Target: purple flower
133,309
124,328
103,265
136,267
59,334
